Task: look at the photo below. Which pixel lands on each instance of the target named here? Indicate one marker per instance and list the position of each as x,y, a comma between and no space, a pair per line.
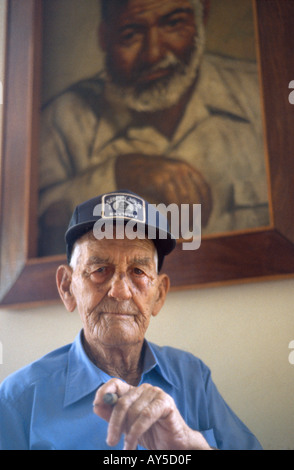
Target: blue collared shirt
48,404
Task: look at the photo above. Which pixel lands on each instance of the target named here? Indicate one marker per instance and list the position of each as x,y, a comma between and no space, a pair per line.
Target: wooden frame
266,253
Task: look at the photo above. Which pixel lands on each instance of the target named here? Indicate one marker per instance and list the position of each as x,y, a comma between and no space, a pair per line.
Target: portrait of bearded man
163,118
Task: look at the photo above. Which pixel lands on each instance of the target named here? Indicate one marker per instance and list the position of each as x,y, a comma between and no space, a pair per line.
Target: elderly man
163,119
163,398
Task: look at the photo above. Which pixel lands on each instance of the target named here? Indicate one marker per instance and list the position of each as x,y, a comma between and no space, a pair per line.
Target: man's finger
113,386
121,416
145,420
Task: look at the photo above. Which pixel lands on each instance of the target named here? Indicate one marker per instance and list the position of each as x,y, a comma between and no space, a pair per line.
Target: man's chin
151,96
152,93
119,340
115,329
153,79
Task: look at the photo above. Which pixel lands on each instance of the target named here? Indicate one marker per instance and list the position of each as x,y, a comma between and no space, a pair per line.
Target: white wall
241,332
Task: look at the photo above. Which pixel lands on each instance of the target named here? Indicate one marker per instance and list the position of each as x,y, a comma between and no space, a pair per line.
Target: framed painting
264,250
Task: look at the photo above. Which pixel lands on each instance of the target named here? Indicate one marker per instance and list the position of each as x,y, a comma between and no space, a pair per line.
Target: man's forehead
156,3
90,246
141,6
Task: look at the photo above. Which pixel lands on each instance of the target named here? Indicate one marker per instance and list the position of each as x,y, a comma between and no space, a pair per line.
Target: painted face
149,46
144,32
116,289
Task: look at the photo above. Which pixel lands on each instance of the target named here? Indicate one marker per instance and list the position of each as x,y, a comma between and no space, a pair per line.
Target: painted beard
164,92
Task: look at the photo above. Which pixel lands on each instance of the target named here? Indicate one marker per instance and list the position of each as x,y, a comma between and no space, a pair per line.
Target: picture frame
235,257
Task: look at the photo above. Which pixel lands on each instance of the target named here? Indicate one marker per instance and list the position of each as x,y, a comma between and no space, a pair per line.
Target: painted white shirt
220,134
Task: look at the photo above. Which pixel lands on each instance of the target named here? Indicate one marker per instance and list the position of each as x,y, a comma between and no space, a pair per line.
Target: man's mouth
118,314
154,75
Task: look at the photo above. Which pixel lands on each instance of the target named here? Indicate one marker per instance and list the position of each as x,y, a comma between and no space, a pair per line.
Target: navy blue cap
121,206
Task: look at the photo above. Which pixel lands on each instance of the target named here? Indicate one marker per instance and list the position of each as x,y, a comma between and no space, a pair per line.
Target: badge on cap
123,206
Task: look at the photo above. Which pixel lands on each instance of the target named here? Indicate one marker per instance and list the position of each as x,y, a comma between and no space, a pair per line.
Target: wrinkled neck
125,363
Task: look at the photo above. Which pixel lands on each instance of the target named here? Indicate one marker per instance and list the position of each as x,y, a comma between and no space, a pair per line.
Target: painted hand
160,179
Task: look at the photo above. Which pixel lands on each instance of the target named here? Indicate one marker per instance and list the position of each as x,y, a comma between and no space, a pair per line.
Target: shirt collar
159,366
214,93
83,377
153,363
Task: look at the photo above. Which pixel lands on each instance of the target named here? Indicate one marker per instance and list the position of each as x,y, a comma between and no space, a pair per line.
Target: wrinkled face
116,288
150,46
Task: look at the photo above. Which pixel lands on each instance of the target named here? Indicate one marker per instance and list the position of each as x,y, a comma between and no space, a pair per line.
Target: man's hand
160,179
146,415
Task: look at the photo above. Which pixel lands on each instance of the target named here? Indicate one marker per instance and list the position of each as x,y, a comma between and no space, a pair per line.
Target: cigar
110,398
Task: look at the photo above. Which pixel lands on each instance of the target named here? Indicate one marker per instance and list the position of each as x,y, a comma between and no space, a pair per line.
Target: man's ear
163,288
63,281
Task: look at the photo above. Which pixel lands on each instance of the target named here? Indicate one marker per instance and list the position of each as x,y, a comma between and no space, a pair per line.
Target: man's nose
154,49
119,287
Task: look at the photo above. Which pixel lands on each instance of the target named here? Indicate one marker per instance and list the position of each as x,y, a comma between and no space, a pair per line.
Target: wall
242,333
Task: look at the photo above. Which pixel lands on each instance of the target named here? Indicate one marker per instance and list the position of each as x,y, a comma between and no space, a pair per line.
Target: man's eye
102,271
129,35
138,272
99,275
176,22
